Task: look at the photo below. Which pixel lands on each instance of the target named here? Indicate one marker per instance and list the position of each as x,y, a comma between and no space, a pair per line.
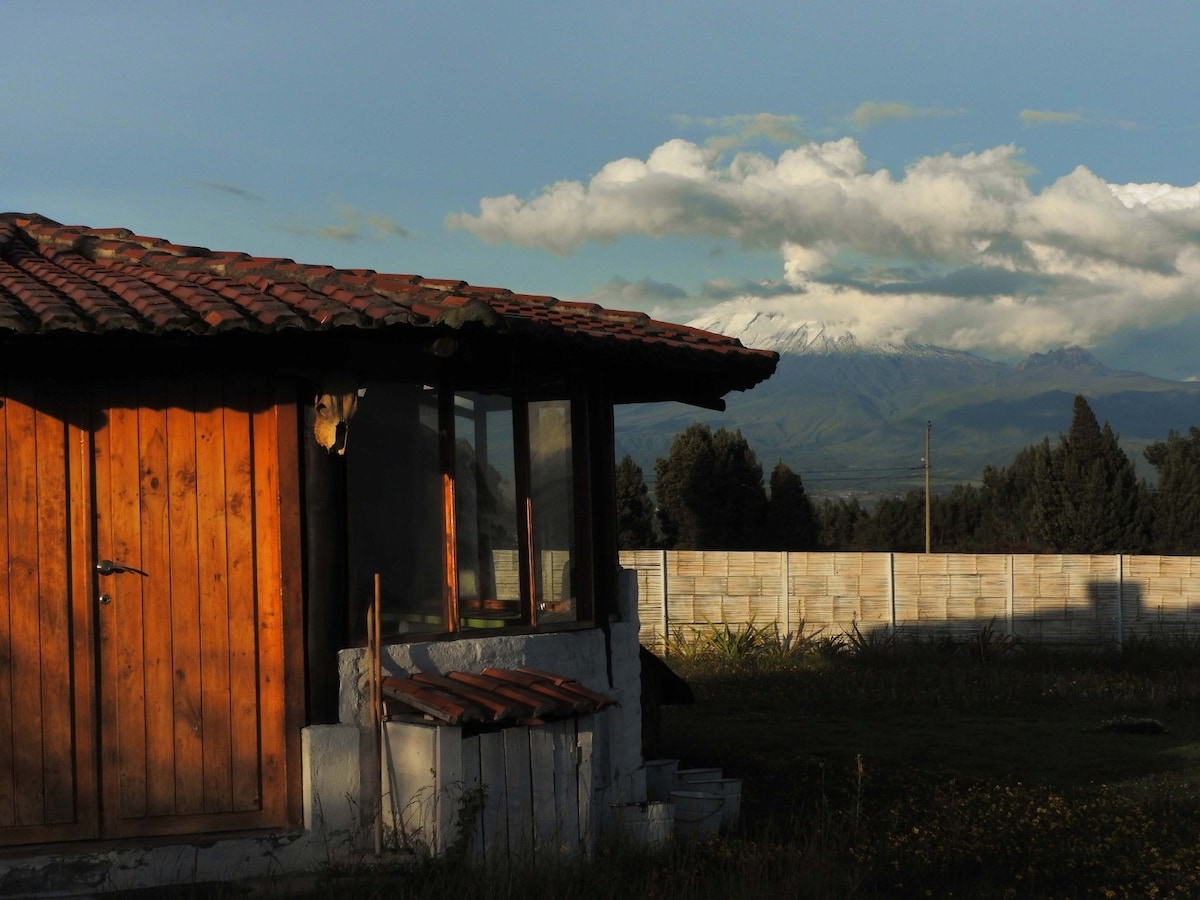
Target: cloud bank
957,251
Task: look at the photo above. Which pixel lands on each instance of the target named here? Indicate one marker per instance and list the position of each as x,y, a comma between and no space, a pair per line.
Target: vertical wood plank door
47,737
193,687
149,563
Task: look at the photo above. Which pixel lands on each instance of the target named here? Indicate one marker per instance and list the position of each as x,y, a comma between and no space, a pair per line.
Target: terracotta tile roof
494,696
92,281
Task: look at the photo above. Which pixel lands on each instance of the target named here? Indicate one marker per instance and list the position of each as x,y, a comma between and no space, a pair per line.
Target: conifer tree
710,492
635,510
791,519
1006,500
1086,495
1175,501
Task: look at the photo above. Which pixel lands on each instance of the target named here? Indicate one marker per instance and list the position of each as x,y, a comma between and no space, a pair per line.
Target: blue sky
1000,178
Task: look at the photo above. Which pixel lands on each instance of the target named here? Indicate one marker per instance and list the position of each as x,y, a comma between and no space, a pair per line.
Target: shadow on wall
1115,612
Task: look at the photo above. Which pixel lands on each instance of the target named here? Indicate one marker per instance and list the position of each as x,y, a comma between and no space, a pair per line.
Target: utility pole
928,429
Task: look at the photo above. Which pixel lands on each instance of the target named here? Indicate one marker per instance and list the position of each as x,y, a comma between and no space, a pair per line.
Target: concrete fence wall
1051,598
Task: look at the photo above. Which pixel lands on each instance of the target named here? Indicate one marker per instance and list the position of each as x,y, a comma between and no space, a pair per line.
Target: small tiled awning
493,697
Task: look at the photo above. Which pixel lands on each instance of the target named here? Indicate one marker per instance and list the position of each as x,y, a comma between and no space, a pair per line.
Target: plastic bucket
697,814
648,824
659,773
683,778
731,790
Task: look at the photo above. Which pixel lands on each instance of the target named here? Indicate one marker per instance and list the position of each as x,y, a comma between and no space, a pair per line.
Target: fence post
891,586
666,615
785,575
1008,611
1120,601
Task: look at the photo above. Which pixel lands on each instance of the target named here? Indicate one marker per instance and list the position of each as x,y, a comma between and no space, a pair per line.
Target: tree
710,491
1086,495
897,524
840,523
635,511
1006,503
1175,501
955,520
791,519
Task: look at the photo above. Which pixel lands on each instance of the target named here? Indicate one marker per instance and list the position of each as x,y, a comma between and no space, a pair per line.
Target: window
393,491
551,493
464,504
485,512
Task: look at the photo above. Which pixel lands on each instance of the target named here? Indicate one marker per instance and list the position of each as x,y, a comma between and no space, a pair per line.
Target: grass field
919,769
900,768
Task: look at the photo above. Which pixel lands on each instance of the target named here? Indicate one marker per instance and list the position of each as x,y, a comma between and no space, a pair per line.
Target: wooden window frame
580,405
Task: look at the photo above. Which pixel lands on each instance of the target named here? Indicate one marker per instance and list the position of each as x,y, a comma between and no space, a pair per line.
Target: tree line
1081,494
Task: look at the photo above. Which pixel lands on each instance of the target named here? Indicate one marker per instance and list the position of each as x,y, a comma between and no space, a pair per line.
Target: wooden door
47,722
187,701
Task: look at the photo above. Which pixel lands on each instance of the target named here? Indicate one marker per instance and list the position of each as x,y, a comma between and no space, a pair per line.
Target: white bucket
731,790
682,779
659,773
697,814
645,824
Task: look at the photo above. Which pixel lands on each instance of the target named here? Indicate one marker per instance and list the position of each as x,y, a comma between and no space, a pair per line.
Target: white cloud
957,250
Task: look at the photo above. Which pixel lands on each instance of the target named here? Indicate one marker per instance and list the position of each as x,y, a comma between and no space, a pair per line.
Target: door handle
108,567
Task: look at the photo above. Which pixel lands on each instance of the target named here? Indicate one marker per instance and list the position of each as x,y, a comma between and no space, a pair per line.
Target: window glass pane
395,508
489,584
552,496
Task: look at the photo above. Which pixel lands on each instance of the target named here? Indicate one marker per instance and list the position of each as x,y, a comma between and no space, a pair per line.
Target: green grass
915,769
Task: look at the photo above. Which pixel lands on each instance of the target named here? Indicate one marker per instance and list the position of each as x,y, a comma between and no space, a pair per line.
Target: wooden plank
566,784
26,669
472,780
54,608
8,721
83,614
269,601
243,613
213,589
156,555
541,767
183,535
495,806
585,727
291,593
123,683
448,783
108,619
520,797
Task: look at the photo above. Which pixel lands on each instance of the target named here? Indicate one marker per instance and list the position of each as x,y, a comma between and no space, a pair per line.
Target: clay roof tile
57,277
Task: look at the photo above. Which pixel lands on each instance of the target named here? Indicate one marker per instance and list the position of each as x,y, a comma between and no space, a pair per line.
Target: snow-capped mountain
851,417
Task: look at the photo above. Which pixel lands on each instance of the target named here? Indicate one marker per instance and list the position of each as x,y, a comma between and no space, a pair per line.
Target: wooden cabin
213,464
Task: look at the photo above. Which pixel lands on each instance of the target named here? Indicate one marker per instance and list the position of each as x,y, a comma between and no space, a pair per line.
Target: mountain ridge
850,418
